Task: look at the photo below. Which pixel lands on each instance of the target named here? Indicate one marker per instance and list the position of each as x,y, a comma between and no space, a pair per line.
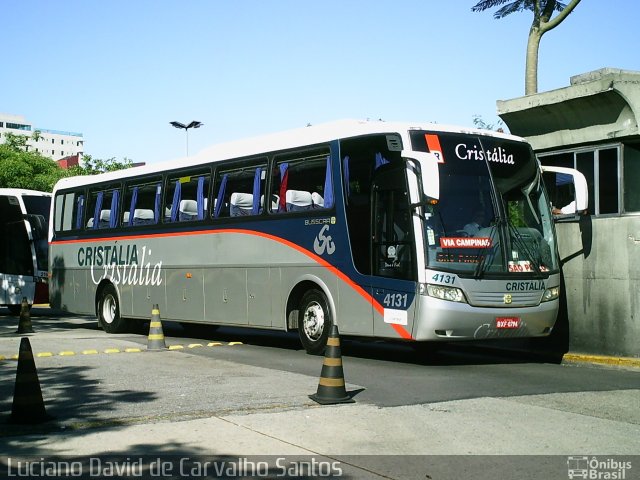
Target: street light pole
193,124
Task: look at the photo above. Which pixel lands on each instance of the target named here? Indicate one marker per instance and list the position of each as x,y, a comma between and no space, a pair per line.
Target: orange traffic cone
28,405
331,387
155,341
24,324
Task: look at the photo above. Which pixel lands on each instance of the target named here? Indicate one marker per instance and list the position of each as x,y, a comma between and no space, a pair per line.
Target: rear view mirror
568,190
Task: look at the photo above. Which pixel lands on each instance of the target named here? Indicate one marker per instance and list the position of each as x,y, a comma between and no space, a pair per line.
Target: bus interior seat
143,216
188,210
105,218
298,200
318,201
241,204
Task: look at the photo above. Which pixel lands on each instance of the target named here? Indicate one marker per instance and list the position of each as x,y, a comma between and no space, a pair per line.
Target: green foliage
479,122
513,6
516,214
31,170
91,166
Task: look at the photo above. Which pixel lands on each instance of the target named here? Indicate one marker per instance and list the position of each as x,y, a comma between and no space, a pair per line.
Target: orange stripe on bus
321,261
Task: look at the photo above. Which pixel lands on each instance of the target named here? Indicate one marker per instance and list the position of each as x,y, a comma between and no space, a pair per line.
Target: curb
601,360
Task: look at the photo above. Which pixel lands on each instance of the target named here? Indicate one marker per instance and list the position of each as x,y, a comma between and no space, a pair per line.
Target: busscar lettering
123,265
496,154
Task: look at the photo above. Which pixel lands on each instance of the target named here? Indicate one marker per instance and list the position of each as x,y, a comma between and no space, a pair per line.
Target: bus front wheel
314,322
109,311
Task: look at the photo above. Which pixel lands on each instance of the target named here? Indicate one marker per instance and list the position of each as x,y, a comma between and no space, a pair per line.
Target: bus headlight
551,294
452,294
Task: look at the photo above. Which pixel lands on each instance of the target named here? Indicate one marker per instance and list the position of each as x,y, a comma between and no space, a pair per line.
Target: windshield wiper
521,243
481,256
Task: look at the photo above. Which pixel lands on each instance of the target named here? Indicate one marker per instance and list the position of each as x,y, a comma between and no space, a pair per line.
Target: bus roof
22,191
289,139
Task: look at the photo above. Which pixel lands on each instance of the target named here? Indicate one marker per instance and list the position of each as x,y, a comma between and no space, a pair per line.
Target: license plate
508,322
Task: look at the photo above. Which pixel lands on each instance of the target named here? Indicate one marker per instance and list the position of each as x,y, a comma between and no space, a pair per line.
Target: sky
119,71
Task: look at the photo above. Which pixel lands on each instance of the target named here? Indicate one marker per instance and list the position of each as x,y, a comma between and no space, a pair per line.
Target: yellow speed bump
44,354
90,352
112,350
176,347
67,353
235,343
132,350
194,345
214,344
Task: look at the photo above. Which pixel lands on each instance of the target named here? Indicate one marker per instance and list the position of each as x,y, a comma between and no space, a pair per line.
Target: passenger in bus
472,228
566,210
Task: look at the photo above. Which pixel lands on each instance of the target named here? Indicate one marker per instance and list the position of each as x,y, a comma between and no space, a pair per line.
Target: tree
542,22
479,122
91,166
31,170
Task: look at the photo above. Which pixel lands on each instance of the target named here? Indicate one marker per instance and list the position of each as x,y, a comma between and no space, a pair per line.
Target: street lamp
193,124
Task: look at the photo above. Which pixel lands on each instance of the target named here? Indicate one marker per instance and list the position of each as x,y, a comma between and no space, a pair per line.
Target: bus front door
393,253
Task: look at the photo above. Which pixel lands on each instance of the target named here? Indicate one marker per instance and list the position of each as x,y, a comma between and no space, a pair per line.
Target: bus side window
186,198
302,183
68,212
103,207
141,203
239,192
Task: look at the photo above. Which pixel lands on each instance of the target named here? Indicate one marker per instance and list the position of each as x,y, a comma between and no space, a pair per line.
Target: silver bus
407,231
23,247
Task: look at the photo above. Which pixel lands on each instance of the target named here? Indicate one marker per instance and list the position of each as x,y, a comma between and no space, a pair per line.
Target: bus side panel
398,305
354,311
226,296
260,291
185,296
84,291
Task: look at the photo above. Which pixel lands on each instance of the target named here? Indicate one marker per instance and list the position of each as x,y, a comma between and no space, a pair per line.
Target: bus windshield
493,216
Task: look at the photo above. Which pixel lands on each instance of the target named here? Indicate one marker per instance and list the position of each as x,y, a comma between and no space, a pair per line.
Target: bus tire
109,311
314,322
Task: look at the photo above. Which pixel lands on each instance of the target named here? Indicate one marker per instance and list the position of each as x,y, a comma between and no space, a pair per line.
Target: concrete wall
600,306
601,275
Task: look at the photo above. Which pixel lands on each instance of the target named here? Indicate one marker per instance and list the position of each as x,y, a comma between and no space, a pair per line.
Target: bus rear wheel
109,311
314,322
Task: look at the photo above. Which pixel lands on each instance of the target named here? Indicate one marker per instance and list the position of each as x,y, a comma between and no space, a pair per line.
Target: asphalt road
377,373
246,392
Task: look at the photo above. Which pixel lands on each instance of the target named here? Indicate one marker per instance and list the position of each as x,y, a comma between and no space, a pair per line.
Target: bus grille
501,299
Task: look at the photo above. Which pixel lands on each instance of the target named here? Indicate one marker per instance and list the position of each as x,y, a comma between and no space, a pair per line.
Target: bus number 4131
395,300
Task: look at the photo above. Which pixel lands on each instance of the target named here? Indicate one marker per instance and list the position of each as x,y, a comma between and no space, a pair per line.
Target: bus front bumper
451,321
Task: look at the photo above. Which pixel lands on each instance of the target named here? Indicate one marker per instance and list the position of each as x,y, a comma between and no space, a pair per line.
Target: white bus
363,224
23,247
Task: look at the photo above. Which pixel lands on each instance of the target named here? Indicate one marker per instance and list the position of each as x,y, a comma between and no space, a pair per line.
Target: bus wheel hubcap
109,309
313,321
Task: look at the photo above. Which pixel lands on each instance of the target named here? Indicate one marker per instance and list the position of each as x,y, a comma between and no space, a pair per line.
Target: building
593,125
55,144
